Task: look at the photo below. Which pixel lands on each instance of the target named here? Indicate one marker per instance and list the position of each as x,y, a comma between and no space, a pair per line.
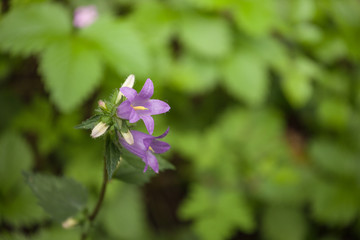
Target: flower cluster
129,106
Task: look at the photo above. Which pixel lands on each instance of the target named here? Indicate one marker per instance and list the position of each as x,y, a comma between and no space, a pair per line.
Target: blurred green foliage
265,120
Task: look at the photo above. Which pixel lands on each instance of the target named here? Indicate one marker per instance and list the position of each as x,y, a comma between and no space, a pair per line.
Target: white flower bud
69,223
128,137
99,130
129,82
102,104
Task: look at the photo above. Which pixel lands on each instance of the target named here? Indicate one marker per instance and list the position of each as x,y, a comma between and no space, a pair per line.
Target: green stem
94,213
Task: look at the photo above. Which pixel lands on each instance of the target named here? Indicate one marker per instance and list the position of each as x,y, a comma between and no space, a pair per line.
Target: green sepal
112,155
89,123
60,197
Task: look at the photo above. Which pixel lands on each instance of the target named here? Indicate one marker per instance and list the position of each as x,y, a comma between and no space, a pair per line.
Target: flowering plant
115,116
127,157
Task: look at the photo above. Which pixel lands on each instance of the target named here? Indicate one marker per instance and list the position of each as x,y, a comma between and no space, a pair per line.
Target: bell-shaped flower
145,146
140,106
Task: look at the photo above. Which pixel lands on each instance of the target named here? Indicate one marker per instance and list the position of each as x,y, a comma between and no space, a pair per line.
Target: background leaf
61,198
72,70
34,27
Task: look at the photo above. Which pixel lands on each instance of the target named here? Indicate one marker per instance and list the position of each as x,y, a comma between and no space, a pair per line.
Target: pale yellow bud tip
99,130
129,82
128,137
69,223
102,104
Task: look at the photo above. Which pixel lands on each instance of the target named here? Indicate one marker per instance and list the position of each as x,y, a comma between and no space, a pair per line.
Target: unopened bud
69,223
129,82
102,104
99,130
128,137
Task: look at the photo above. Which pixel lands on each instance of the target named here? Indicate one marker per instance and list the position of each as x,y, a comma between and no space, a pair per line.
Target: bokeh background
264,120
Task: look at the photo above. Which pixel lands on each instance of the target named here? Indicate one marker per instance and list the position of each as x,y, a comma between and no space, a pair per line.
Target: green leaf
129,174
131,168
210,37
60,197
125,209
194,75
112,156
132,159
17,204
120,45
164,164
15,156
297,87
218,213
246,77
281,223
334,113
71,70
89,123
256,17
25,30
341,198
332,157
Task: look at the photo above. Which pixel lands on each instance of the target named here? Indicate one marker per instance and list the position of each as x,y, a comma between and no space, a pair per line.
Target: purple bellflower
85,16
145,145
140,106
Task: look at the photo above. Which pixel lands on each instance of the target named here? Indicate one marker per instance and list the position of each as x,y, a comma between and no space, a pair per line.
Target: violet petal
124,110
129,93
149,123
159,146
164,134
157,106
148,89
152,161
134,117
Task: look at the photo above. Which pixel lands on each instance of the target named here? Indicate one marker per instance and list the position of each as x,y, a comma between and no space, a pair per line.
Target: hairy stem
94,213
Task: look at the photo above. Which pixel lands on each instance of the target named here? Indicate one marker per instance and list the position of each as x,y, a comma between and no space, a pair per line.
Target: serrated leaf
120,45
25,30
164,164
210,37
60,197
71,70
112,156
131,168
129,174
246,77
89,123
138,163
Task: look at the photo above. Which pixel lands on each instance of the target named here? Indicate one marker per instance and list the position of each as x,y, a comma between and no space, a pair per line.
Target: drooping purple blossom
145,145
140,106
85,16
